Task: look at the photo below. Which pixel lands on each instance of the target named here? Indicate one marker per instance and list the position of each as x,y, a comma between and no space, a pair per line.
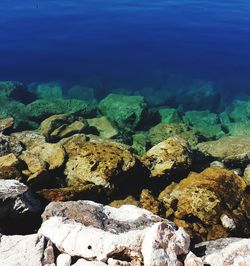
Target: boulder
9,145
140,142
240,112
95,232
6,123
234,151
9,167
21,250
170,158
209,204
104,127
227,251
170,116
127,112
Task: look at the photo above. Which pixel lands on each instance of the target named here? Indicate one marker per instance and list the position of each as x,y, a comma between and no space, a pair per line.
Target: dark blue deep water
127,43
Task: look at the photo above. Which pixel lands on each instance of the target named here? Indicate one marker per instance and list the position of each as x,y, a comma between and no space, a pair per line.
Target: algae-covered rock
128,112
238,129
170,115
234,151
41,109
170,158
208,199
9,167
101,163
9,144
28,139
206,123
140,142
240,111
162,131
49,90
81,93
6,123
8,87
104,126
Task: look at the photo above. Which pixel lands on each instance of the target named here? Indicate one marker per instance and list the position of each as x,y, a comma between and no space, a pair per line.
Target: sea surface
127,43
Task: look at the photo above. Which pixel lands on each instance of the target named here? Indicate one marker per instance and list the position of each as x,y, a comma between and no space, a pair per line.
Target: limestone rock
193,260
140,237
168,158
8,167
233,151
63,260
128,112
99,162
18,250
104,126
150,203
9,145
28,139
6,123
206,197
227,251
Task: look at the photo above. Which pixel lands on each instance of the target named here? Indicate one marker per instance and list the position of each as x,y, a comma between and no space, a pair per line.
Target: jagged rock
214,199
103,163
8,167
6,123
162,131
42,158
227,251
61,126
28,139
233,151
168,158
170,116
16,200
21,250
41,109
128,112
9,145
104,126
92,231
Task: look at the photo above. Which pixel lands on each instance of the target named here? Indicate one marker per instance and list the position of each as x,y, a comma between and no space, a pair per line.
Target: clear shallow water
126,43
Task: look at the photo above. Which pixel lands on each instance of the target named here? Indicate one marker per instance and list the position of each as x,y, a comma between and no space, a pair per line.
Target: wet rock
21,250
81,93
227,251
102,163
104,126
238,129
170,116
6,123
42,158
234,151
170,158
240,112
127,112
9,87
95,232
9,167
9,145
206,123
162,131
140,142
61,126
208,201
41,109
49,90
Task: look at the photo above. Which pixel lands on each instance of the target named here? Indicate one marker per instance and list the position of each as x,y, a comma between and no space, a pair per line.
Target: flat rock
18,250
97,233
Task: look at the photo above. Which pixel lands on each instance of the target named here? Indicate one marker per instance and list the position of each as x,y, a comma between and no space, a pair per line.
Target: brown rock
130,200
168,158
28,139
8,167
150,203
6,123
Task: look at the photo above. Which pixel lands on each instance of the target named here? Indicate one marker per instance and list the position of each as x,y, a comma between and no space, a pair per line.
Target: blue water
126,42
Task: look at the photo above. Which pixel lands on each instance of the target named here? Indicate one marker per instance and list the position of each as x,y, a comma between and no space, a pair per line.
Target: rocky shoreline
124,180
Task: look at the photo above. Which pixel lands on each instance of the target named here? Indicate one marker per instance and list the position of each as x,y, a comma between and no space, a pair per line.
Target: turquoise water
127,43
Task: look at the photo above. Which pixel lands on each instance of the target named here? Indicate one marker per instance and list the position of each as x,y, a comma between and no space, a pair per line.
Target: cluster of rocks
165,180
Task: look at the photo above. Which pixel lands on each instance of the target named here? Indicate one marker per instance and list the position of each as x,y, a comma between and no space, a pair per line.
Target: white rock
63,260
247,174
82,262
227,222
20,250
113,262
193,260
101,232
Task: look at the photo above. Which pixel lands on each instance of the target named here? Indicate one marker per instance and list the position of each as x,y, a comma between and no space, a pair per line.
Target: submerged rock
234,151
240,112
81,93
9,167
209,204
170,115
128,112
6,123
8,144
49,90
140,142
99,233
170,158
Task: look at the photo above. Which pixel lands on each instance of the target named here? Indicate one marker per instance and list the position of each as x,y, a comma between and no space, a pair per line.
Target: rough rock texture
20,250
41,109
149,202
240,112
170,115
6,123
226,252
247,175
129,200
168,158
128,112
48,91
15,201
28,139
98,162
9,167
9,145
140,237
140,142
211,204
162,131
233,151
81,93
104,126
42,158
